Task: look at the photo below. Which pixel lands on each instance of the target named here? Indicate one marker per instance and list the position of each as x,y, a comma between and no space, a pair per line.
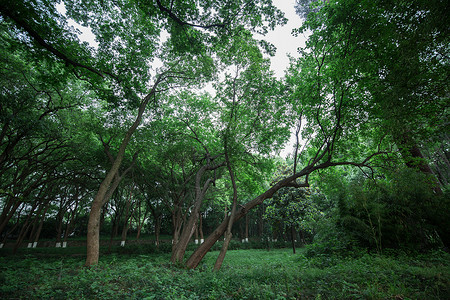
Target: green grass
246,274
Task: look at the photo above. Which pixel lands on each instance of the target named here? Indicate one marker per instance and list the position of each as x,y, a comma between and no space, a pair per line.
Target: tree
119,69
293,209
39,142
397,55
388,60
326,94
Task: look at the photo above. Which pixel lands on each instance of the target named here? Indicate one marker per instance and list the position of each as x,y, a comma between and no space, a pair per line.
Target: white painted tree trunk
64,245
122,243
34,244
58,245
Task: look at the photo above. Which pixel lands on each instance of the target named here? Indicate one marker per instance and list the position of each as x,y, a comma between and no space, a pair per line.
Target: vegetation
169,123
255,274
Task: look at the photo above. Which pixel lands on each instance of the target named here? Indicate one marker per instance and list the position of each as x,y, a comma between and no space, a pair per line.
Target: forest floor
246,274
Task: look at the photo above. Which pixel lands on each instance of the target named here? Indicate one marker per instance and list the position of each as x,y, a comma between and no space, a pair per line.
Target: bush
331,240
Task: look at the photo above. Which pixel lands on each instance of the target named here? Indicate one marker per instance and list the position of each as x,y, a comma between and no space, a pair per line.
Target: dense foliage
171,122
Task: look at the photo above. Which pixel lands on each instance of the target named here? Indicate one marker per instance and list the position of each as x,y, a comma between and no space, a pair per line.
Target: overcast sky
282,38
286,44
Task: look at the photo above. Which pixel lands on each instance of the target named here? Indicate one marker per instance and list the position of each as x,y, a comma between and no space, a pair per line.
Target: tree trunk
138,234
105,190
246,228
59,219
260,222
114,229
33,231
11,230
140,220
8,212
71,220
228,234
127,220
125,231
177,222
414,159
200,191
25,227
189,228
201,251
93,234
293,238
157,230
196,234
41,224
200,227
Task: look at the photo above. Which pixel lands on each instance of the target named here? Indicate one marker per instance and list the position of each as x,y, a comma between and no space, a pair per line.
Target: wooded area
171,124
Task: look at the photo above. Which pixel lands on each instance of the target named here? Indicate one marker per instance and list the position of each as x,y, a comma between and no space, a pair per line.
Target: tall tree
129,40
397,54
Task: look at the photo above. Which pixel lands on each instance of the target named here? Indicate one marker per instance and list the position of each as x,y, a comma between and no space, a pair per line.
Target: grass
246,274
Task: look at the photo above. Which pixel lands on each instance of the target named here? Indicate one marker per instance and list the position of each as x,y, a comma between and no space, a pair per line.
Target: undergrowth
246,274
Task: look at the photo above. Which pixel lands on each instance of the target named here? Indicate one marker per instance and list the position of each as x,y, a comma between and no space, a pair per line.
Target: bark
20,187
41,223
38,222
414,159
33,230
157,219
105,190
260,222
59,219
443,172
188,230
246,227
128,218
200,226
139,218
126,226
71,221
196,233
293,238
114,228
157,230
138,234
25,227
201,251
8,212
16,224
177,222
228,234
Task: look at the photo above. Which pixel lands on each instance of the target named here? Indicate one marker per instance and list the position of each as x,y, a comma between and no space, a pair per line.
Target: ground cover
246,274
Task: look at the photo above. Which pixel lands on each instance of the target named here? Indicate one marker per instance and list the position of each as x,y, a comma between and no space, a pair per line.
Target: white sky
286,44
282,38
